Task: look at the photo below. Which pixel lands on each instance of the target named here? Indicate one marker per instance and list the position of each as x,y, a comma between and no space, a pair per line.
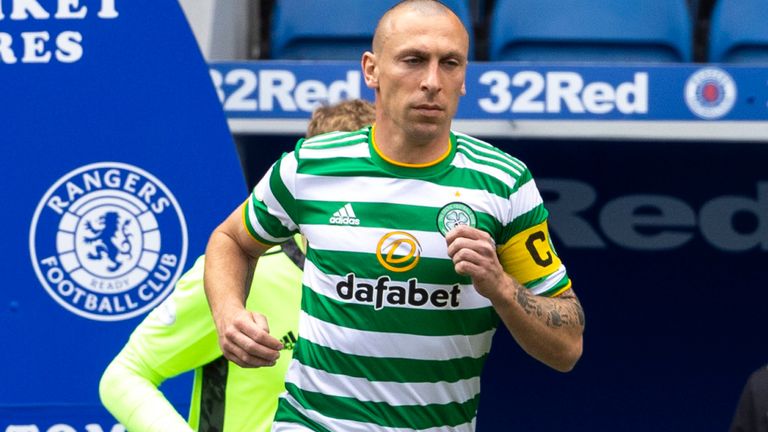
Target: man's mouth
428,109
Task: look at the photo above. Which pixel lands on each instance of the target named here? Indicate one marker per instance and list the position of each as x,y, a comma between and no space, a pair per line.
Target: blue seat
738,32
335,29
591,30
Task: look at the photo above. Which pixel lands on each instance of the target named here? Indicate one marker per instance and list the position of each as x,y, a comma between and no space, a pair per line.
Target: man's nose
431,80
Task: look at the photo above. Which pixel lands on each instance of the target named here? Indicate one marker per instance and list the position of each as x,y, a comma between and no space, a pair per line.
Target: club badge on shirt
453,215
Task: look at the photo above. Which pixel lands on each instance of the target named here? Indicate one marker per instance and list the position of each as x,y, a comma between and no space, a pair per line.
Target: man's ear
464,88
370,71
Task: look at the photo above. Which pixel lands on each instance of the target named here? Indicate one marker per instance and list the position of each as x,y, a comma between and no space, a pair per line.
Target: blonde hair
348,115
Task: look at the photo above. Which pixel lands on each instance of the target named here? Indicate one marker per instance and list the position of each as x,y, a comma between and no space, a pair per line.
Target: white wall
223,27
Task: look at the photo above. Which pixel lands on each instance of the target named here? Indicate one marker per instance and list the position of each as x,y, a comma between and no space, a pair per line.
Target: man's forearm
230,260
228,270
549,329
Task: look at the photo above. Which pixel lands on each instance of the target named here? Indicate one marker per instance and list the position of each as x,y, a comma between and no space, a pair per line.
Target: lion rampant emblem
110,241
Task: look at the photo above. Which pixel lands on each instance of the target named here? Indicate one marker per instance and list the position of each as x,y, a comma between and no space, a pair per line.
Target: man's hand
473,252
245,340
230,259
549,329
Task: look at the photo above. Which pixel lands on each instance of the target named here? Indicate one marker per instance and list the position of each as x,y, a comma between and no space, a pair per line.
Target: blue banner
117,166
513,91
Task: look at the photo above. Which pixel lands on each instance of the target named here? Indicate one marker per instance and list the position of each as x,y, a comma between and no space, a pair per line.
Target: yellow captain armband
529,256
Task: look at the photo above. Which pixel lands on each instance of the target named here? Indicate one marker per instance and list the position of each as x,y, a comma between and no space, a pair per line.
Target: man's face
419,73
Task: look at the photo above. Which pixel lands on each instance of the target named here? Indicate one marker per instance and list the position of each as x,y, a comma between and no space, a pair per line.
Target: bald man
421,240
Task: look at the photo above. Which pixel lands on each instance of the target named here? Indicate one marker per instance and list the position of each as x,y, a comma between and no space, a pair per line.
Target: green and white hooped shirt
391,338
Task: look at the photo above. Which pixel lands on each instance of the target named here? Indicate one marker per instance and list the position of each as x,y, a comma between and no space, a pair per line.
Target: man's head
417,69
344,116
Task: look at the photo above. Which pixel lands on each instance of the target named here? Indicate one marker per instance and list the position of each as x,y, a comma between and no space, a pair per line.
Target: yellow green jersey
179,336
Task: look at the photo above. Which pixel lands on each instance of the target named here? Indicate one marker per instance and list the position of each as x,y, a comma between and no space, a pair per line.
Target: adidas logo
289,340
344,216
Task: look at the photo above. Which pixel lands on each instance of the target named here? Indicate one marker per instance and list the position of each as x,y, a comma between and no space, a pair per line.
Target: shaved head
424,7
417,70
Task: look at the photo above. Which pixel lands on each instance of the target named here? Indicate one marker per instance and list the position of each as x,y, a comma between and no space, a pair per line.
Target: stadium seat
334,29
590,30
738,32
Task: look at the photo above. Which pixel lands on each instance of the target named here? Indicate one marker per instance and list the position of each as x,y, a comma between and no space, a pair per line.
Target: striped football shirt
390,336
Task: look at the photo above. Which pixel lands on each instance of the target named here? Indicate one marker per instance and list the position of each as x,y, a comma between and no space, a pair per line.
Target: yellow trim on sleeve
266,245
529,255
562,290
245,225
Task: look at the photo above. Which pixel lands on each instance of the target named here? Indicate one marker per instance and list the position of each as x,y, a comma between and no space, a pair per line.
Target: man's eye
412,60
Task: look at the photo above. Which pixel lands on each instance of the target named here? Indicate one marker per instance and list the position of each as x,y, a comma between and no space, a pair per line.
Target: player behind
179,335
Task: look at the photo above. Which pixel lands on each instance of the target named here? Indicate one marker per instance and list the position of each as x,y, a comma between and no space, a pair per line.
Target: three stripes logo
344,216
289,340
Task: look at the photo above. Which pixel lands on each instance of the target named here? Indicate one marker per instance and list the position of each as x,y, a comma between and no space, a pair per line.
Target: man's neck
396,146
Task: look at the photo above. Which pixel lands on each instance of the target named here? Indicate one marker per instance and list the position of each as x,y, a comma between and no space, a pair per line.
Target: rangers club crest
710,93
108,241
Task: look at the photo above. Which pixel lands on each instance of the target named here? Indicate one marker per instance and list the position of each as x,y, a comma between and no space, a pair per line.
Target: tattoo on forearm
563,311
